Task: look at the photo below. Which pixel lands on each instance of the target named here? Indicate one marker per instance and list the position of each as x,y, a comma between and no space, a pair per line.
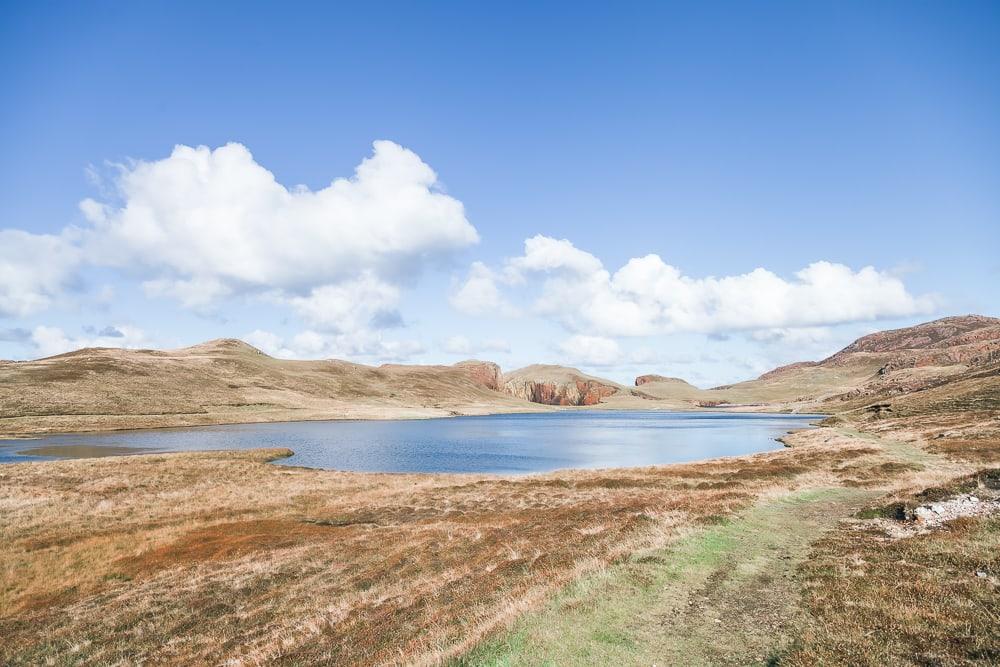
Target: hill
881,364
559,385
229,381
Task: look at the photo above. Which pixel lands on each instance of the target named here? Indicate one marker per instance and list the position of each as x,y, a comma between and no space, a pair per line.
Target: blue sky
722,138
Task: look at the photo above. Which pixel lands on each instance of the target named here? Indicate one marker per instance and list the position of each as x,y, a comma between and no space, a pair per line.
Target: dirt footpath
726,594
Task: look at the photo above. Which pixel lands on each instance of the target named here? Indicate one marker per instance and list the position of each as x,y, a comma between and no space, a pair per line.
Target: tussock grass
667,605
930,599
214,557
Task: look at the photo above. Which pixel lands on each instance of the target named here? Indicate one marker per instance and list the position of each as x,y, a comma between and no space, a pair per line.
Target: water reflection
495,443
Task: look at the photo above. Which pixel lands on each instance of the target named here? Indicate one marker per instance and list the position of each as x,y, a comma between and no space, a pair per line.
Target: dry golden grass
224,558
930,599
226,381
214,557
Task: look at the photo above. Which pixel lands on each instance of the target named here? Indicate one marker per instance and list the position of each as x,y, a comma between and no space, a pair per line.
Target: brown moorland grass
926,599
220,556
226,381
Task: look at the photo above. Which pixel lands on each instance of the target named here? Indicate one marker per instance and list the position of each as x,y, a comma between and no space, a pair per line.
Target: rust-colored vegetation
925,599
190,558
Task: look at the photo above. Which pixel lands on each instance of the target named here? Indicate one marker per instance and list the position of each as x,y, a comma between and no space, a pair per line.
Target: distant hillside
971,340
666,389
559,385
228,381
225,381
880,364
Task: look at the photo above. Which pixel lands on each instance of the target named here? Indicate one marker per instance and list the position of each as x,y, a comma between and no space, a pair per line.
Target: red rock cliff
567,388
484,373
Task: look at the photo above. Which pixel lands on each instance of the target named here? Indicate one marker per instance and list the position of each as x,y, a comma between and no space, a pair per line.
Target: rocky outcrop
484,373
661,379
557,385
921,357
578,392
227,381
971,340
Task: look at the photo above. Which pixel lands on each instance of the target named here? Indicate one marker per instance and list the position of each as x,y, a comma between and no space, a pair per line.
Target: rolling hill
229,381
559,385
882,364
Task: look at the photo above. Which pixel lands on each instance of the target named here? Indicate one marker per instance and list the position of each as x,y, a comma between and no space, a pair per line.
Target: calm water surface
496,443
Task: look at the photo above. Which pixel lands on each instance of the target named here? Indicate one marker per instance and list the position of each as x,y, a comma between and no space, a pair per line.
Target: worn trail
724,595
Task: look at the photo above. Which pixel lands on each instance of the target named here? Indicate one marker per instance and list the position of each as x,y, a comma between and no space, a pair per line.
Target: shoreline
24,450
540,409
372,543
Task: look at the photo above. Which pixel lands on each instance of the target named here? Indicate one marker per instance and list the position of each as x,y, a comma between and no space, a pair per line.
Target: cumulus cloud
48,341
204,225
216,221
457,345
542,253
591,350
34,270
111,332
350,306
646,296
794,337
480,294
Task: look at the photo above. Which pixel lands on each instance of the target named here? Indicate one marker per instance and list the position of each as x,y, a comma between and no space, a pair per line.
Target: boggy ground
222,557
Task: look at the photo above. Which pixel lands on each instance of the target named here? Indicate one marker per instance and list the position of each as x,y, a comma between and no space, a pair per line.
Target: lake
519,443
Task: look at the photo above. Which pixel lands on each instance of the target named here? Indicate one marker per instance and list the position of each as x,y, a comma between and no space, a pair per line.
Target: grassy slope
723,594
801,387
731,594
929,599
190,558
222,382
227,381
552,373
912,358
208,557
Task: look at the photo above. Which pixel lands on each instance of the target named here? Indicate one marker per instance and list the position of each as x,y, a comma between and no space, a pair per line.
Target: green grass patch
616,615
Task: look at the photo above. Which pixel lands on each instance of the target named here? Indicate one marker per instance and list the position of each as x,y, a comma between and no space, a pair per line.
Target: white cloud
591,350
463,346
14,335
352,306
197,293
480,294
309,344
219,221
267,341
646,296
644,355
542,253
204,225
34,270
457,345
48,341
495,345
